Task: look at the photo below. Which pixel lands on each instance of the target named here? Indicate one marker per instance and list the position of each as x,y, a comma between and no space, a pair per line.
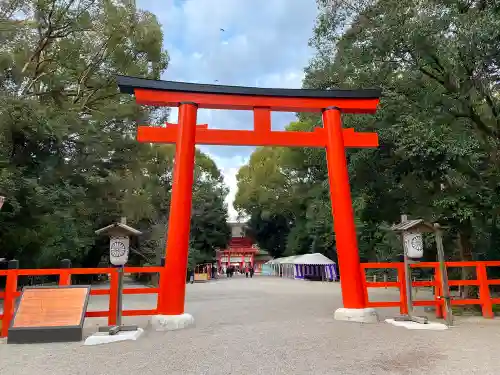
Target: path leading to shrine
267,326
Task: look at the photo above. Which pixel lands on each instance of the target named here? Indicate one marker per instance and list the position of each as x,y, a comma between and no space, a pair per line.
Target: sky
264,44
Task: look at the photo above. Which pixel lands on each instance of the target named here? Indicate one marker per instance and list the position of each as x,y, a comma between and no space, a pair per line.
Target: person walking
191,277
251,271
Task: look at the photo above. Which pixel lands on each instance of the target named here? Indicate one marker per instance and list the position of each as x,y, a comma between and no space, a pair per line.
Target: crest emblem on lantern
118,249
416,243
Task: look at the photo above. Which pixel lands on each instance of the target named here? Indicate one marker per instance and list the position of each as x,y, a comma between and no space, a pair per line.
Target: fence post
9,296
484,290
113,297
65,275
437,291
366,296
161,294
403,307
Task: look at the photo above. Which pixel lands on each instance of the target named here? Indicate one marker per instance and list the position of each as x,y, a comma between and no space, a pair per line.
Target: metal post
444,275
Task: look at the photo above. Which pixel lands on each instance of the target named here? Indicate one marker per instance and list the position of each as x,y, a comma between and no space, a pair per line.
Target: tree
437,64
437,158
402,62
283,190
269,231
209,228
65,129
69,162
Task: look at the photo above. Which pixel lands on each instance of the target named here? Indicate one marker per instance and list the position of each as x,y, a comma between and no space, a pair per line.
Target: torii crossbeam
262,135
262,101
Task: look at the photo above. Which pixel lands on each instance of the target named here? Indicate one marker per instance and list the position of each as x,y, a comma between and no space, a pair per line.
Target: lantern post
119,244
413,248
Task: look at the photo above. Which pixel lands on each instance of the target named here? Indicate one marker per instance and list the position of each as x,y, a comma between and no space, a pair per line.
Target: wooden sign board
200,277
49,314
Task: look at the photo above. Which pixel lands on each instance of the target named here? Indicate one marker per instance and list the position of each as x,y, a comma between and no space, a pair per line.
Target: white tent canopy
284,260
283,267
314,267
307,266
316,259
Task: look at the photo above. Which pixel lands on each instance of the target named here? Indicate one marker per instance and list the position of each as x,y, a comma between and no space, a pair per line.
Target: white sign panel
413,244
118,250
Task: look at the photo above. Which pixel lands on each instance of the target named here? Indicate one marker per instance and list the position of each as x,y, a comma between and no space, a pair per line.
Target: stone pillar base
171,322
367,315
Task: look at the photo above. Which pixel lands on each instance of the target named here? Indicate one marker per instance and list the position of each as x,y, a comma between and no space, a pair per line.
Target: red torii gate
189,97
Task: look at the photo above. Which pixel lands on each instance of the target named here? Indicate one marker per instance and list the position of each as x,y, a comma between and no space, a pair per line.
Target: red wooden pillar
173,280
113,296
343,216
9,297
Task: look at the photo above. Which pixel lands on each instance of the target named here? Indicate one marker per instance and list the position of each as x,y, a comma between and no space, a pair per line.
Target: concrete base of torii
367,315
171,322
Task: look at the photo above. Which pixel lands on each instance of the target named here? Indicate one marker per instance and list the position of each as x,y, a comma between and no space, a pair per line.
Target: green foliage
438,122
269,231
69,162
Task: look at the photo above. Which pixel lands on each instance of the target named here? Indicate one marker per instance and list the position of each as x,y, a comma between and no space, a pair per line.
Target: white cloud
264,43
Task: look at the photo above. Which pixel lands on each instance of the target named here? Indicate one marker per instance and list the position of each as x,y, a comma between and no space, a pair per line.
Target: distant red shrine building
241,250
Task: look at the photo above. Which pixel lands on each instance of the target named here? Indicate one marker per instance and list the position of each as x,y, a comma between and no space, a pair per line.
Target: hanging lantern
413,244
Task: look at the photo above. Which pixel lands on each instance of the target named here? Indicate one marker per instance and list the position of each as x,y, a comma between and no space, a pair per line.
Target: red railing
11,291
482,282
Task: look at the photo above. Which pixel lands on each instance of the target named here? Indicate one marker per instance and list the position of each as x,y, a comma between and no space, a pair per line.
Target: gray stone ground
268,326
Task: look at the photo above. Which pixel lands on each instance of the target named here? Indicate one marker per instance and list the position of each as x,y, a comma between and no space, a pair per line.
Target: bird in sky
222,29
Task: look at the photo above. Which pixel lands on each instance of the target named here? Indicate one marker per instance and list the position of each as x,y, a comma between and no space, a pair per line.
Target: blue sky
264,44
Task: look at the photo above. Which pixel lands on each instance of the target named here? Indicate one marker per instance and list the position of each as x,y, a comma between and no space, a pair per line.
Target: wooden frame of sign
49,314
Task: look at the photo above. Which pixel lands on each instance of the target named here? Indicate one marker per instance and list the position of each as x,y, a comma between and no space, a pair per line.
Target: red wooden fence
11,291
485,300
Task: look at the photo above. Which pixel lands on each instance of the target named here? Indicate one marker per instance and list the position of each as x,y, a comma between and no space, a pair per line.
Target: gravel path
267,326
